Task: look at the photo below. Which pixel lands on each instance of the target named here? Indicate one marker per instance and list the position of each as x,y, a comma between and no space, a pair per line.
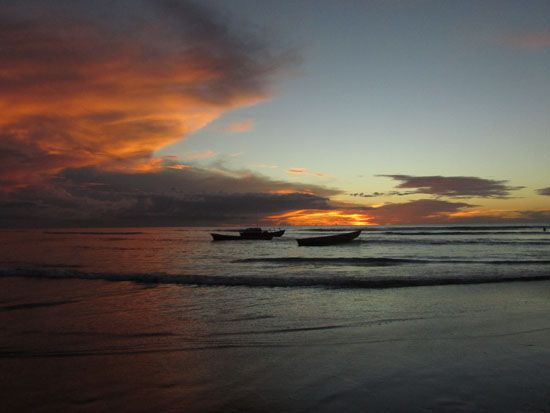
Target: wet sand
80,345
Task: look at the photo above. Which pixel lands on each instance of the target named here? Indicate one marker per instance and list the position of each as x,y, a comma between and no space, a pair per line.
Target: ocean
398,256
406,318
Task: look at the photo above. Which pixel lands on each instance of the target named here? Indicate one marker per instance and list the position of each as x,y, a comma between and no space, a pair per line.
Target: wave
432,233
383,261
453,242
375,262
28,306
259,281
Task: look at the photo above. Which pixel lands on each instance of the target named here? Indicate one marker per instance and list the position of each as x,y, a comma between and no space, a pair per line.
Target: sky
215,112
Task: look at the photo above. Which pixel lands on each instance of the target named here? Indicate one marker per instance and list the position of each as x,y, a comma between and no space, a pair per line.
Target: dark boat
328,240
258,236
255,233
223,237
249,234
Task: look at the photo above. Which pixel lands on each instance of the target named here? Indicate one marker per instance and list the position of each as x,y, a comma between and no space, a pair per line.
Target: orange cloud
198,155
179,167
287,191
108,93
305,171
297,171
240,127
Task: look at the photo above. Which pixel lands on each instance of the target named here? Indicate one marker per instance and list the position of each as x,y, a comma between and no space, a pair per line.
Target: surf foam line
449,242
434,233
258,281
381,261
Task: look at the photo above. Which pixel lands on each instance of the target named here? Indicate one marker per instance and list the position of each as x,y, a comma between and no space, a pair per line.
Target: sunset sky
288,112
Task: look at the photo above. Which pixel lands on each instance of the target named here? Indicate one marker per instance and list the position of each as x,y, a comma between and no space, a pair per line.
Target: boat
328,240
278,233
255,233
252,233
223,237
249,234
258,236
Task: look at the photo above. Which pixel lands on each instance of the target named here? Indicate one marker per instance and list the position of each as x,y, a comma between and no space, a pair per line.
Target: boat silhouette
328,240
248,234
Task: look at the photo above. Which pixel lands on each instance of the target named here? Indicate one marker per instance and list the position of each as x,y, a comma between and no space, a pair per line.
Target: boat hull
223,237
328,240
258,233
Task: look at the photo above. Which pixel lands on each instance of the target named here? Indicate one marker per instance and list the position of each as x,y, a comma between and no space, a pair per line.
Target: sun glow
307,217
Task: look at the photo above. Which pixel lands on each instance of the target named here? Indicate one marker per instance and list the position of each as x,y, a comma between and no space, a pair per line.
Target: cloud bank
180,196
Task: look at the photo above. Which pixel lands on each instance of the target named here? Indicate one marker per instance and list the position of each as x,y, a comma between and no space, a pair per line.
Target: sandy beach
81,345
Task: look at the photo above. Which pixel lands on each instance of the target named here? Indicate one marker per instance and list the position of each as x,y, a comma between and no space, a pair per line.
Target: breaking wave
382,261
452,241
259,281
471,232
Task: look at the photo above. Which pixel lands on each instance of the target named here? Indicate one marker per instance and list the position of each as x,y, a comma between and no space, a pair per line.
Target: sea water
164,319
396,256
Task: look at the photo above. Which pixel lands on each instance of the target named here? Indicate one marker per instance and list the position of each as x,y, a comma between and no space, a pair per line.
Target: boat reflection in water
328,240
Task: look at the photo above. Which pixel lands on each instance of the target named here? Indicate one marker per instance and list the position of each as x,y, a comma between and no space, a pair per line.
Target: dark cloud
418,211
544,191
208,209
454,186
366,195
433,211
183,182
191,196
195,196
378,194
